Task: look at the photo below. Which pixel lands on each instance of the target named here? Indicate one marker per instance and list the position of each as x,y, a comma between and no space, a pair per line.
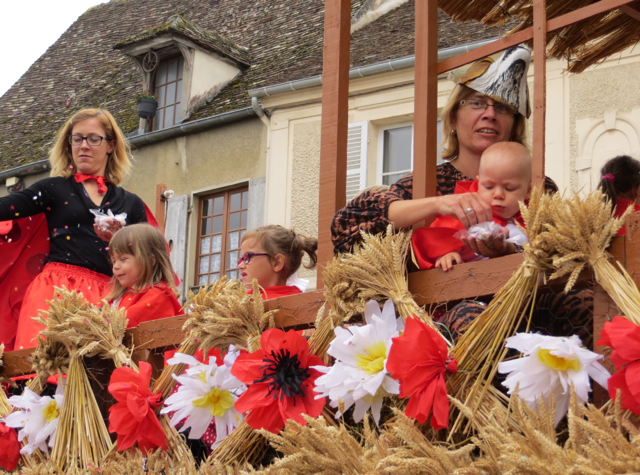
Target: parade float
378,386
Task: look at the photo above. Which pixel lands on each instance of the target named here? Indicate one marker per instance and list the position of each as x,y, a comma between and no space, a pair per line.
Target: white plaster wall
604,117
305,174
210,74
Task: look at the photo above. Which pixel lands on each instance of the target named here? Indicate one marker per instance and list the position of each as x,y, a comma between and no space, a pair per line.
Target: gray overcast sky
28,28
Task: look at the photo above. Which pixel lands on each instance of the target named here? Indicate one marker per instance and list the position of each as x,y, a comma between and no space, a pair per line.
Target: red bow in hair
133,417
100,180
9,447
419,360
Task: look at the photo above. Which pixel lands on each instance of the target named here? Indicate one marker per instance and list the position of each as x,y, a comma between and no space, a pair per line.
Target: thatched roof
582,44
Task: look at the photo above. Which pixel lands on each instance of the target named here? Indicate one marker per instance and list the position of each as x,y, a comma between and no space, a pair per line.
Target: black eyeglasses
247,256
93,140
475,104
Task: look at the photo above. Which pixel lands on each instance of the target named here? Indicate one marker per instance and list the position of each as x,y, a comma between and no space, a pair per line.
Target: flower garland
207,392
280,377
623,337
133,417
38,421
359,376
419,360
551,365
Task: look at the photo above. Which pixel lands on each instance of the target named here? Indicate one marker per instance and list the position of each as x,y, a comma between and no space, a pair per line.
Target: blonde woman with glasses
88,163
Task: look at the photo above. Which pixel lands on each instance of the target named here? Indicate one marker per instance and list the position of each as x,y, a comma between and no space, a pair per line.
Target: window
395,156
168,88
222,222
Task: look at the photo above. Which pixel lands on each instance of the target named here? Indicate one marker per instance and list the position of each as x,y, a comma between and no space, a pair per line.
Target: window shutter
176,235
356,158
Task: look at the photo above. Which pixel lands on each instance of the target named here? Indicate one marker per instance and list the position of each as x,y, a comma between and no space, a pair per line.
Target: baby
504,179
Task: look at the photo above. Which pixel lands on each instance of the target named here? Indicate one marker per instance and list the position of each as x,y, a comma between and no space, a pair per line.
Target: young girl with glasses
272,254
143,279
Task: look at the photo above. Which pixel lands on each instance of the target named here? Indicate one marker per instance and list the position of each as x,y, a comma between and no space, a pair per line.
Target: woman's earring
453,132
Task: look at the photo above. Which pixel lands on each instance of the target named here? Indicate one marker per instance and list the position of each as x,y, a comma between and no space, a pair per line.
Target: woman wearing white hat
489,104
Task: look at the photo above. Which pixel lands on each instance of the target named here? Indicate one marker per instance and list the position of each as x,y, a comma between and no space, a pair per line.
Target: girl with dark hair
621,183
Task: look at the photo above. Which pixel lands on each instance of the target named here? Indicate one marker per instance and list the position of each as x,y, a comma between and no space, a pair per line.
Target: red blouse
152,304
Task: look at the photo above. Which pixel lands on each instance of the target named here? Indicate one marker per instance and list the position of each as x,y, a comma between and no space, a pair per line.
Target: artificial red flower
133,417
418,361
280,381
623,337
9,447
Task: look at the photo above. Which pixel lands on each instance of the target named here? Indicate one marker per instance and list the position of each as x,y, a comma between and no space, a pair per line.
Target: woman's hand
500,247
469,208
105,236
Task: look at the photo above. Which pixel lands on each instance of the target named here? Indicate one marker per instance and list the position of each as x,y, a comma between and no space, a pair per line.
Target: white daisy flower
359,375
38,419
206,392
550,365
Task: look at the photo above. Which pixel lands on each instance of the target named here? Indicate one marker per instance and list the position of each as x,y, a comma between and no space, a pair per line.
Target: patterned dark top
369,211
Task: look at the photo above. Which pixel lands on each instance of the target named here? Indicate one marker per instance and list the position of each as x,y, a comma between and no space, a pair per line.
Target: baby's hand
446,262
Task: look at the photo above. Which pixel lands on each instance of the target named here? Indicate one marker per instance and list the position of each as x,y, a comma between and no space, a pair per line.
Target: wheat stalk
376,270
481,347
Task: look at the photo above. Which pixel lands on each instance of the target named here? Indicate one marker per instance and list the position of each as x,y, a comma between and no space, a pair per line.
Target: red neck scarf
100,180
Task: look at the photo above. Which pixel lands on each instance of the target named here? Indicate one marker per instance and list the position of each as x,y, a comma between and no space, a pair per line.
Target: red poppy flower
623,337
133,417
9,447
280,381
418,361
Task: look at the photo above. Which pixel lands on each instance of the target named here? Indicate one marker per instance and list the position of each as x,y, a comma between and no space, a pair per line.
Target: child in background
272,254
504,179
621,183
143,279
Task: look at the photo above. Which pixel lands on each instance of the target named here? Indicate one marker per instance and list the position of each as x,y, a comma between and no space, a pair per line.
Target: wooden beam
160,205
425,116
539,89
632,10
333,138
527,34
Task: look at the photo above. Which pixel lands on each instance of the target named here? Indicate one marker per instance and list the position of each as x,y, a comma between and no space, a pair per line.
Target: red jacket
152,304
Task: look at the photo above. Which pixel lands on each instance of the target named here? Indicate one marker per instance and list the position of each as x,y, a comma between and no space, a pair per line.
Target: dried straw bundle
77,323
81,438
221,314
481,347
50,357
376,270
322,448
236,318
411,451
581,232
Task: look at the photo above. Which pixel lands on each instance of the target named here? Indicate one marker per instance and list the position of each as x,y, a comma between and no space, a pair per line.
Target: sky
28,28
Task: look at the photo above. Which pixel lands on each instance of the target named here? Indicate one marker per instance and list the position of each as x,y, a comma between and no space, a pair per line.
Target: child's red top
151,304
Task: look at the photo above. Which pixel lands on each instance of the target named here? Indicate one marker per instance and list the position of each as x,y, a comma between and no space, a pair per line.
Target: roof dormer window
190,66
168,88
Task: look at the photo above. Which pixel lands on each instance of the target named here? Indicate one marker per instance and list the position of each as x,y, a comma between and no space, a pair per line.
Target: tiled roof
210,40
283,40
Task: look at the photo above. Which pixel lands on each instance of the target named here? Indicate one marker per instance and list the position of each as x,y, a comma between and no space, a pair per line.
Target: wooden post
335,109
425,115
539,88
160,206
